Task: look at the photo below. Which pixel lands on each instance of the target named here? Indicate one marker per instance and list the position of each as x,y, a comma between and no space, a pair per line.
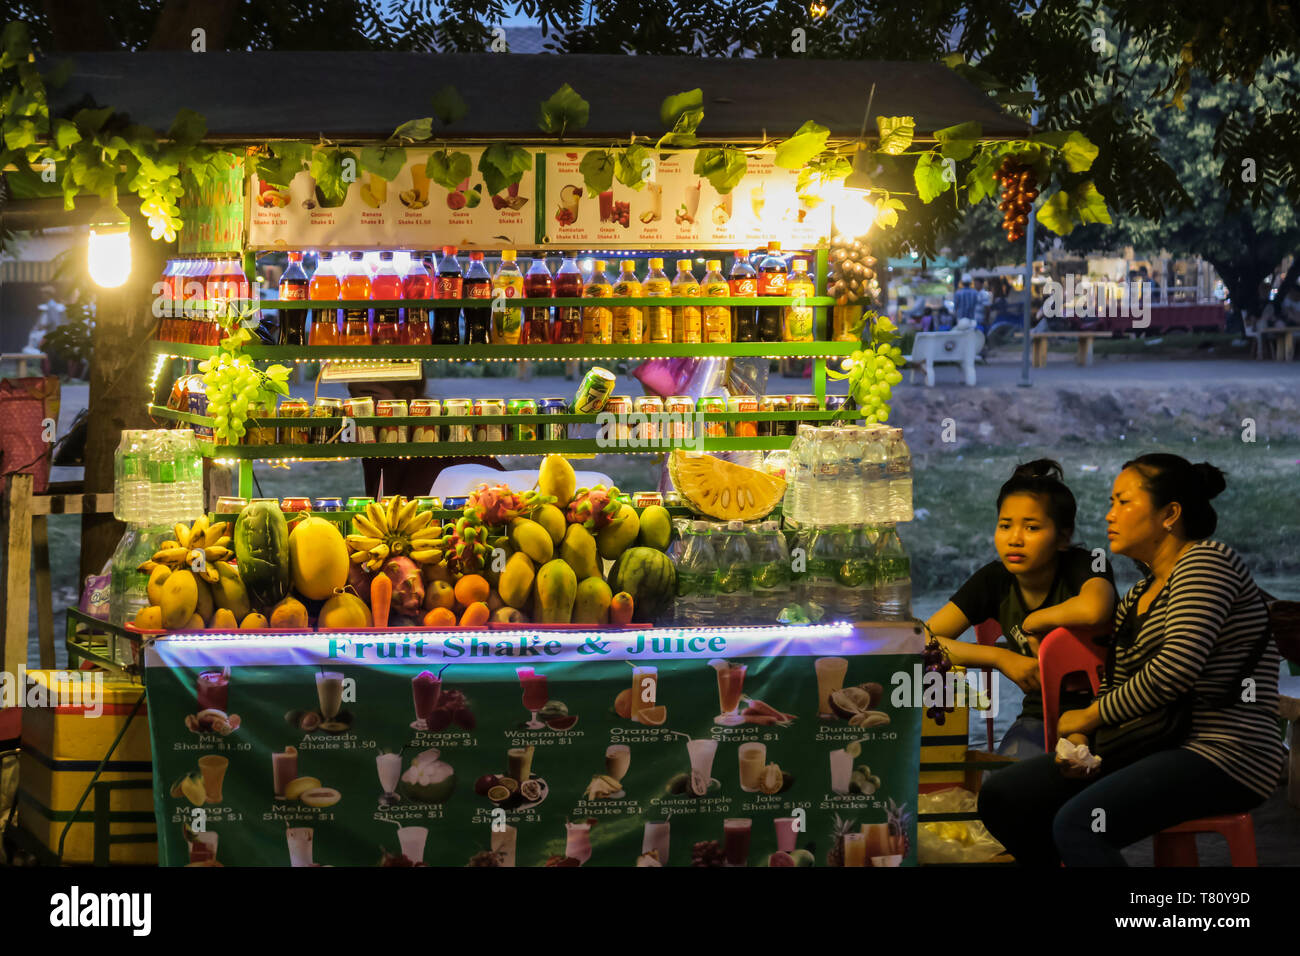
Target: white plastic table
960,346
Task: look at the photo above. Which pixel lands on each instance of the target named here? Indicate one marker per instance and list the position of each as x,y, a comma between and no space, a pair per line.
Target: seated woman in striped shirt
1196,625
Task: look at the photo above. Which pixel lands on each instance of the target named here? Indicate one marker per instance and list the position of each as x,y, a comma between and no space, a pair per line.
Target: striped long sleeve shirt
1196,637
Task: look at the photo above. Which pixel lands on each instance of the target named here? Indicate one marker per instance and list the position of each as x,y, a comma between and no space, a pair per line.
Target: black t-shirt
993,592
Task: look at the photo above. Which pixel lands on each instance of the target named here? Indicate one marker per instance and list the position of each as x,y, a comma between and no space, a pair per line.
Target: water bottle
128,585
773,590
875,477
130,477
735,576
821,584
827,470
799,477
676,548
189,473
847,498
893,593
863,601
697,579
900,478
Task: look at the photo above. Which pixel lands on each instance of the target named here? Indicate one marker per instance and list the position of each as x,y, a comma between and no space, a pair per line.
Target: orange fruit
654,716
440,617
471,588
439,594
476,615
623,703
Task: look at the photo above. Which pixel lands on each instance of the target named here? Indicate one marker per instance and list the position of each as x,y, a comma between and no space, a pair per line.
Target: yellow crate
79,846
68,733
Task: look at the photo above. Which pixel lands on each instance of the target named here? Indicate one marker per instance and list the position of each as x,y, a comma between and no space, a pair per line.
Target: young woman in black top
1039,583
1195,627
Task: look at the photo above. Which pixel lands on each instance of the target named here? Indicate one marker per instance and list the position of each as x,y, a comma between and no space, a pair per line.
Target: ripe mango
156,578
228,591
149,618
552,519
579,551
620,609
289,614
224,620
206,605
195,623
614,539
253,622
180,598
557,478
592,603
532,539
554,592
516,580
656,528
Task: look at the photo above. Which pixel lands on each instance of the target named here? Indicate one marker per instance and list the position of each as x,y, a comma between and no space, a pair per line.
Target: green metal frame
512,353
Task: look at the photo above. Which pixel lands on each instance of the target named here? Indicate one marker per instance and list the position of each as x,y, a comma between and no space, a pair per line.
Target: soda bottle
798,324
448,284
566,327
417,284
716,319
356,285
196,301
597,321
386,285
743,283
771,281
629,321
537,285
293,288
478,286
324,285
686,318
164,302
658,319
507,286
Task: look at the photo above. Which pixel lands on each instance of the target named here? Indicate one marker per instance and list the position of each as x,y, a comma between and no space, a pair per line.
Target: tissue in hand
1077,755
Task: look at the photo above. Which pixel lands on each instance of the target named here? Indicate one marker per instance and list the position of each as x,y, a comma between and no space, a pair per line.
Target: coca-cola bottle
743,283
566,327
293,288
417,284
447,285
478,286
537,285
772,272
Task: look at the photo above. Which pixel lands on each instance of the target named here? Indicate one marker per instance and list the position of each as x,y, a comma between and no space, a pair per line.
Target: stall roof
359,96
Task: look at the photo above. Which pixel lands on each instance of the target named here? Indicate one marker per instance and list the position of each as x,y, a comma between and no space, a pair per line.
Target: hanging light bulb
108,255
854,214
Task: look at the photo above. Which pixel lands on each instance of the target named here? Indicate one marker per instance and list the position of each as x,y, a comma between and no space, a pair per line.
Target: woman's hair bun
1211,478
1040,468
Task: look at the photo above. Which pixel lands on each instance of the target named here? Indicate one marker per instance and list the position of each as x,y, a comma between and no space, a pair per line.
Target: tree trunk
1242,277
1290,279
119,380
180,18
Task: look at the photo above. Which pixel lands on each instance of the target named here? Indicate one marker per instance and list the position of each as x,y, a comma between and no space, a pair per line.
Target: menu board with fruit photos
411,211
673,208
781,746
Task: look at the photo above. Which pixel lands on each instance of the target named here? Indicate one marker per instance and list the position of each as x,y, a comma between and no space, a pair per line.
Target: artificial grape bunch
1019,190
233,385
853,274
933,658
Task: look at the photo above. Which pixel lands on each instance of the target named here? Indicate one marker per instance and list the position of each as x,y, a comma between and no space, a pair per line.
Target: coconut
428,779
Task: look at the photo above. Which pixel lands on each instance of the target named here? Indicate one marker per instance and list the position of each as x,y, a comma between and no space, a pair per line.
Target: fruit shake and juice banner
771,746
410,212
672,208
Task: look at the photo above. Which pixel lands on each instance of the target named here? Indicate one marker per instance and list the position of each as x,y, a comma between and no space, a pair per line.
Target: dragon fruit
594,508
467,545
408,586
498,505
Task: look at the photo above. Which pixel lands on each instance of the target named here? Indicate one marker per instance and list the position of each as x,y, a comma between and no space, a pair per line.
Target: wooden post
18,564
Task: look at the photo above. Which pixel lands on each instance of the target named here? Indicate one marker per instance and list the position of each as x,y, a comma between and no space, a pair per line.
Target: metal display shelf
816,301
507,353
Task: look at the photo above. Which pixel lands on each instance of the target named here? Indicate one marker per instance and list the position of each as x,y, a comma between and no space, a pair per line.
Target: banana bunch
392,528
197,546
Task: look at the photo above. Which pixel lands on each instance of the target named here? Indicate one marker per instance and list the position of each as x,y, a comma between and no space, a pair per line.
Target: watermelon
262,553
649,576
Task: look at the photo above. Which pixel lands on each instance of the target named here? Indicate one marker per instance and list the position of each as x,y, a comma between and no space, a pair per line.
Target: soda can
392,408
358,503
620,406
743,403
290,505
710,404
454,504
682,426
294,434
644,499
593,391
554,406
458,407
835,402
490,408
804,403
260,434
194,398
328,504
649,405
361,408
775,403
326,408
230,506
672,499
427,503
522,406
421,408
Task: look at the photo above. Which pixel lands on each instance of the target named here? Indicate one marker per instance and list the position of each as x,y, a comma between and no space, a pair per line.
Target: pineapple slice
723,490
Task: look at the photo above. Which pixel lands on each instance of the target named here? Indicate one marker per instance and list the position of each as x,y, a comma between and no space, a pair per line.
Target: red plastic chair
1063,652
987,633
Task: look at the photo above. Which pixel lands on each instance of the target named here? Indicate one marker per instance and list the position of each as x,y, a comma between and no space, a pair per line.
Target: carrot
381,596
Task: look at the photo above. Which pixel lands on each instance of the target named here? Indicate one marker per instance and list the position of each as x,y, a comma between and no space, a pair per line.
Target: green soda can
594,391
359,504
522,406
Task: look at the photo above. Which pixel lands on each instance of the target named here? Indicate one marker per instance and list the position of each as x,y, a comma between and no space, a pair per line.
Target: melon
723,490
649,576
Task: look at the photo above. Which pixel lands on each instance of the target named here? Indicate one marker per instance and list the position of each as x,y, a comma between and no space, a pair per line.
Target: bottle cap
598,265
476,256
741,253
700,527
774,246
385,257
508,255
356,256
629,264
656,263
295,257
684,265
451,251
713,265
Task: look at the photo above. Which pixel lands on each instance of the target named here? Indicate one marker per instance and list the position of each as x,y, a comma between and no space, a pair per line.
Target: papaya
532,539
262,553
344,609
516,580
579,551
224,620
556,478
591,606
290,614
156,578
649,577
614,539
656,528
620,609
228,591
180,598
552,519
554,592
318,558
